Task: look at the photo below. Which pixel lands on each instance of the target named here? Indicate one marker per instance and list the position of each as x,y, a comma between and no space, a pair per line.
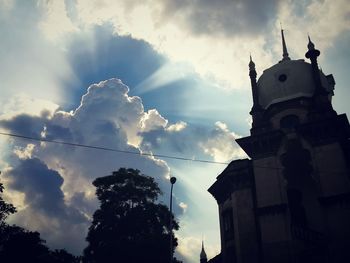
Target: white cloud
22,102
56,22
107,116
152,120
221,144
184,206
24,153
325,21
176,127
194,141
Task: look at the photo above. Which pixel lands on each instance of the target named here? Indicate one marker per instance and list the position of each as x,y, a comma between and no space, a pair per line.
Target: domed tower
290,202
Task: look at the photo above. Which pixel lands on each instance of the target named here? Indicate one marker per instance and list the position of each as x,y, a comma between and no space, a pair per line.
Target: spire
251,63
203,255
312,53
284,47
310,45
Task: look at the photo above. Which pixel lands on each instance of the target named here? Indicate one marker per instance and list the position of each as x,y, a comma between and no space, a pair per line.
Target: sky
165,77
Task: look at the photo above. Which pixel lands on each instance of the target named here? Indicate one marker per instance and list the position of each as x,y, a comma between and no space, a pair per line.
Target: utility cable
140,153
109,149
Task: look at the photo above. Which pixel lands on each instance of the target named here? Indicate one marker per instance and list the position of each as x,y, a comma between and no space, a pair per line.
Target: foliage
5,208
20,245
129,226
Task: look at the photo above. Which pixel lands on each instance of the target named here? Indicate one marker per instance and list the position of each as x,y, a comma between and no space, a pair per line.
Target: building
290,202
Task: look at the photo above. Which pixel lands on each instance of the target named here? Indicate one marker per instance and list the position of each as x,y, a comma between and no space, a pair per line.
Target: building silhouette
290,202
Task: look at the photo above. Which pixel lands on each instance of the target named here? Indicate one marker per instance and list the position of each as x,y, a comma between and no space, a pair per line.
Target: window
282,77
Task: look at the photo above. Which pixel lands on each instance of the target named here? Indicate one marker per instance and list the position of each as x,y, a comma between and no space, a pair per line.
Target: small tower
203,255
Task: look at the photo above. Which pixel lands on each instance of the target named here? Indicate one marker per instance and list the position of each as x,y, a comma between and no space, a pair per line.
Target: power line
109,149
140,153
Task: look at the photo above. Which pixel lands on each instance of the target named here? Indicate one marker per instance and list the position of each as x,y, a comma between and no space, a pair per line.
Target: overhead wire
110,149
140,153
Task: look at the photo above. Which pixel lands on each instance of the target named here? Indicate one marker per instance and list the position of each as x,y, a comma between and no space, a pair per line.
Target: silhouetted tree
18,245
129,226
5,208
62,256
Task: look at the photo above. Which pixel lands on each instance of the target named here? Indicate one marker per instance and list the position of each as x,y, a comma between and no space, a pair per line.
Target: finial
251,63
203,255
312,52
310,45
284,47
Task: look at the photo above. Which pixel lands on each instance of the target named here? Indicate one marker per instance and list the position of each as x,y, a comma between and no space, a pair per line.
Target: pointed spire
251,63
312,52
203,255
284,47
310,45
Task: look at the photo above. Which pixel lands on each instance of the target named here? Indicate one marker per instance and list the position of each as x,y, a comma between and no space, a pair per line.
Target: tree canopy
130,226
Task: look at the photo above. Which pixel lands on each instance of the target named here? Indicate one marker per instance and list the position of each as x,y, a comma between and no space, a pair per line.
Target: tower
203,255
290,202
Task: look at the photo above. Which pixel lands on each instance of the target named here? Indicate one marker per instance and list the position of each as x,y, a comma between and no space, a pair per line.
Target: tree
19,245
5,208
129,226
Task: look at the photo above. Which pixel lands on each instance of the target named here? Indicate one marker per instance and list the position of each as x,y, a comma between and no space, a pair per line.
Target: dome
287,80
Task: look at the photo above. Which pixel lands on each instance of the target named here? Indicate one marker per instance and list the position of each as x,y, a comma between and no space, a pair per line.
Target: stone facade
290,202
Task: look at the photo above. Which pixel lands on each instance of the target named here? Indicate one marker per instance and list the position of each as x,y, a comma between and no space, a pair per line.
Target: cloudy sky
165,77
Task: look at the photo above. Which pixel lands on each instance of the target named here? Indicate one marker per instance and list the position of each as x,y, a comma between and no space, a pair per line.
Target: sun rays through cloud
165,75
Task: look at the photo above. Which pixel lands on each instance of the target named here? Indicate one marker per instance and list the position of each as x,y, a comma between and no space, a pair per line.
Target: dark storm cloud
32,126
54,131
227,17
40,184
42,188
24,124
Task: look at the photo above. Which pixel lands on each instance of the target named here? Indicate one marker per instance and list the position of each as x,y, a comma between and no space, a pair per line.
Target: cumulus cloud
193,141
41,185
44,206
53,182
56,179
221,145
